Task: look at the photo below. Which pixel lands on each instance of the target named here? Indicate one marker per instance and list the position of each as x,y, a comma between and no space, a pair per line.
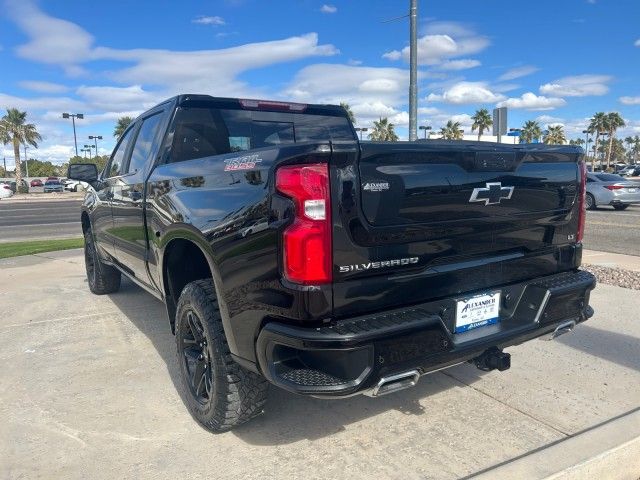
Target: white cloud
43,87
392,55
459,64
379,85
518,72
637,43
328,8
56,41
577,86
354,62
206,20
531,101
51,40
464,93
505,87
444,40
118,98
630,100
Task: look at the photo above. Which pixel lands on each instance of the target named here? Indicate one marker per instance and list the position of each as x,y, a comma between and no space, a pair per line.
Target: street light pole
413,71
73,116
361,129
88,148
425,128
95,139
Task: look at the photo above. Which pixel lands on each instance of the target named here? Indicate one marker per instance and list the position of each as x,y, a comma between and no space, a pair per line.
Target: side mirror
83,172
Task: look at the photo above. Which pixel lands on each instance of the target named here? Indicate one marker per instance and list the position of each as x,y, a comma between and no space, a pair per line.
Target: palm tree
629,141
597,125
383,131
121,126
15,129
347,107
481,121
452,131
577,141
636,147
531,130
555,135
614,122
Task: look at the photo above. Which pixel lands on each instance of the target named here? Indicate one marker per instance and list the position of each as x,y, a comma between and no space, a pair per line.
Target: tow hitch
493,359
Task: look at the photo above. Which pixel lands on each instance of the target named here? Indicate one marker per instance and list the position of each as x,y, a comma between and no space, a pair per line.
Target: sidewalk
611,260
104,404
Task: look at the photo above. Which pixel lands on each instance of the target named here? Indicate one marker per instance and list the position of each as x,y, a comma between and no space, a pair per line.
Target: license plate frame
477,311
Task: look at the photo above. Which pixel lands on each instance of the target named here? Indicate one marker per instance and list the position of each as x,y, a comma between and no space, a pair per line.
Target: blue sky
557,61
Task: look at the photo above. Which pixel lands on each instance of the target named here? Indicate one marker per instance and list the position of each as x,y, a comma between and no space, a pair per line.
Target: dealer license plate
632,190
477,311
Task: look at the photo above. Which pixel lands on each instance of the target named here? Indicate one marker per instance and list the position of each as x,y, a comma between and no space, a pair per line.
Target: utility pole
413,71
73,117
6,174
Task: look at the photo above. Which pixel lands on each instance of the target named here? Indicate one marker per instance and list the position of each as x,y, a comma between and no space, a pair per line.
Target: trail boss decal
241,163
363,267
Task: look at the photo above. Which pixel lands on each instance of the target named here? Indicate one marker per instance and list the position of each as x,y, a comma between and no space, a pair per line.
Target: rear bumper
351,356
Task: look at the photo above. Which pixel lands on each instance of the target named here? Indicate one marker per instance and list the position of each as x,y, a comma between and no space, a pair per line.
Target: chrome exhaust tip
394,383
561,329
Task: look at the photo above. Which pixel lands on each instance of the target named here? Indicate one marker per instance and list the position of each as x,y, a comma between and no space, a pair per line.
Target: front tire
102,278
219,393
591,202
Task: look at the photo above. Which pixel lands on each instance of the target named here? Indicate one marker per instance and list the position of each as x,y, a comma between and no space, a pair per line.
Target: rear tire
102,278
621,207
591,202
219,393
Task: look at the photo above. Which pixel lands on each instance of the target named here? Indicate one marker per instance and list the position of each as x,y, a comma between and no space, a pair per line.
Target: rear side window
201,131
144,141
118,157
609,177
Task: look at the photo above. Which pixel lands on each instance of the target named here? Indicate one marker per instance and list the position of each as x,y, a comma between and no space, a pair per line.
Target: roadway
39,219
607,230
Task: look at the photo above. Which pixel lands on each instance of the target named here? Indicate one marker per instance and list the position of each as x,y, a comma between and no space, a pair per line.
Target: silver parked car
610,189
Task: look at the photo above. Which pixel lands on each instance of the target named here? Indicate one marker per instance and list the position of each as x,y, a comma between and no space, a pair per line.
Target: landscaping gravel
615,276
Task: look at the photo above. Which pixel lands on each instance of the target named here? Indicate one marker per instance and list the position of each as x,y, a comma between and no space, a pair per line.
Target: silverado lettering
247,219
381,264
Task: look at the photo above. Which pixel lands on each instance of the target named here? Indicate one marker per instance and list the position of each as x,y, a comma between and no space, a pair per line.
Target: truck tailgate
415,221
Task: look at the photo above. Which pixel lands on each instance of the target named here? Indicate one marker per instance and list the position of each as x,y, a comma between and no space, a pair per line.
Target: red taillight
582,214
6,187
613,187
307,241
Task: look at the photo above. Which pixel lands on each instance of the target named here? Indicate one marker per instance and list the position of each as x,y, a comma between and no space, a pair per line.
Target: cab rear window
202,132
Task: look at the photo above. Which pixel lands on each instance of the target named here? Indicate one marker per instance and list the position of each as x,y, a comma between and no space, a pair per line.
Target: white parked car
5,190
73,185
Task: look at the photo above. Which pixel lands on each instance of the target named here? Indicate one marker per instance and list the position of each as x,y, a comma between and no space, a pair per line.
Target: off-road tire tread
107,278
239,394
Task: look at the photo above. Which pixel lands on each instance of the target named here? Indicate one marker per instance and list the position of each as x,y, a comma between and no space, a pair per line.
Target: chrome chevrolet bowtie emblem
493,193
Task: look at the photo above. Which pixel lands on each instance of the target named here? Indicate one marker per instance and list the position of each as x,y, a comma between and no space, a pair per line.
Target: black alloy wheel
197,358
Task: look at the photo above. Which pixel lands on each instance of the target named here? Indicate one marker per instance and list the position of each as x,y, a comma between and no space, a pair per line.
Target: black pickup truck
287,252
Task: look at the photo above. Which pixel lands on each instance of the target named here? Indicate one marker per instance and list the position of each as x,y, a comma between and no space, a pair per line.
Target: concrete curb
608,451
42,197
611,260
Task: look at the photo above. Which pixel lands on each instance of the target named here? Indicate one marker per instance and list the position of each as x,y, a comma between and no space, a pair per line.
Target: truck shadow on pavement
615,347
288,417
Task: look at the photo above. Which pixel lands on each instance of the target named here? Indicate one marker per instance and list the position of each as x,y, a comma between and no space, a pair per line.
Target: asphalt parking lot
88,391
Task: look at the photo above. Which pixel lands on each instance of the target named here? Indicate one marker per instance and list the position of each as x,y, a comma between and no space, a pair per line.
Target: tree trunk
16,155
595,146
610,149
